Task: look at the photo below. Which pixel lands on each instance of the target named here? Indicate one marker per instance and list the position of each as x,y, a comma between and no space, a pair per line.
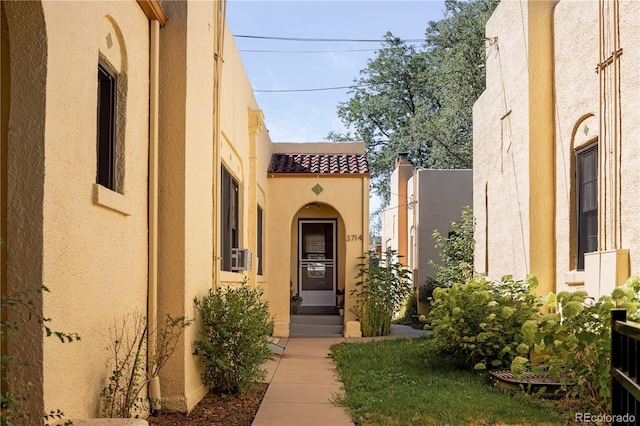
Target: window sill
228,277
110,199
574,278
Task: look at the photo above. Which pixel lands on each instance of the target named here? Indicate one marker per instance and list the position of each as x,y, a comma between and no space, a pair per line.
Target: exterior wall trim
153,10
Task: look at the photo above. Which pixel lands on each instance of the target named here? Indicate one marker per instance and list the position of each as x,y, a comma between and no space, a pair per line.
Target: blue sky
309,116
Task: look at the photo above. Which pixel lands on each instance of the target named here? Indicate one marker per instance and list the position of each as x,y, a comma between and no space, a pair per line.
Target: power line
409,40
306,51
311,51
309,90
382,210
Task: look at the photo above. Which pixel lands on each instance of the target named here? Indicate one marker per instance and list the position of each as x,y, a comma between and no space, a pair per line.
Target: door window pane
317,276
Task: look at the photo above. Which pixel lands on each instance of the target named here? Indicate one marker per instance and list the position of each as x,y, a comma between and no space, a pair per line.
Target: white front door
316,262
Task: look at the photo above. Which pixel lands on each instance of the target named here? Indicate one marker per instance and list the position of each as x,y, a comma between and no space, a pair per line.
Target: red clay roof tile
334,164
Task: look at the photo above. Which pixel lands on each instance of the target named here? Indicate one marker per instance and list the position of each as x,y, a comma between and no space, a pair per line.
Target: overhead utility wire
309,90
306,51
409,40
377,212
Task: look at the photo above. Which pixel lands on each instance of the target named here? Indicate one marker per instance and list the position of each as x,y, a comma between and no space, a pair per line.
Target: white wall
442,194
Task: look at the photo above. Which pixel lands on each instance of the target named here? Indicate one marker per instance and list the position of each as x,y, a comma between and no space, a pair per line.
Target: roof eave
318,175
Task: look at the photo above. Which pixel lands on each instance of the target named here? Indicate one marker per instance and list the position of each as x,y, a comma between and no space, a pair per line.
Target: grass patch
406,382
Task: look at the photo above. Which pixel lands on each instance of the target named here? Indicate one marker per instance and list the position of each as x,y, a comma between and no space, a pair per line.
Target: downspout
152,297
218,46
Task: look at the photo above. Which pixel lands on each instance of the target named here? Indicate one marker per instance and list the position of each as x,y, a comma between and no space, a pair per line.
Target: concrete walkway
303,382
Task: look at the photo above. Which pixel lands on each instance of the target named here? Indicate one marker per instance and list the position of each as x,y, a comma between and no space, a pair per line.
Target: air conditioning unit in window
240,259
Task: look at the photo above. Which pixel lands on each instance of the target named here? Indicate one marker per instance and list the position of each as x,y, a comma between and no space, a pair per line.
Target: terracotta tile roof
333,164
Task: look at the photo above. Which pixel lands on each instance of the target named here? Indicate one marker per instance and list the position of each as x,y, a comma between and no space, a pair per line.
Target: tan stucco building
556,144
422,201
135,164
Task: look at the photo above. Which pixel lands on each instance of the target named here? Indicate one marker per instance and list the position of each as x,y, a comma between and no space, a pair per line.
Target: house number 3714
354,237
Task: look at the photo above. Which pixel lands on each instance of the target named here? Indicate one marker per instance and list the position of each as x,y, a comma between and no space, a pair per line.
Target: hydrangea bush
573,342
490,325
480,322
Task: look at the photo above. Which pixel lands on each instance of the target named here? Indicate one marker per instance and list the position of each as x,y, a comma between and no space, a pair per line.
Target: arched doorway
317,255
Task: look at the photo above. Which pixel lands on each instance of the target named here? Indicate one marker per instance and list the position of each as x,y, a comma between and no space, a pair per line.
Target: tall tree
419,99
386,96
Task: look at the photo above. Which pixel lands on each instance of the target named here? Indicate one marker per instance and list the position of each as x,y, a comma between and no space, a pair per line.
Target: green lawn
405,382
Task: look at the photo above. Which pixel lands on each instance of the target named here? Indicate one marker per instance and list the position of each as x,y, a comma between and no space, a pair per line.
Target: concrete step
306,330
316,326
317,319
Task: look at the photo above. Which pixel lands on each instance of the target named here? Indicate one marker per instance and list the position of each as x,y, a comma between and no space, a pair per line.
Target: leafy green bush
409,311
573,342
426,289
234,341
456,252
494,325
481,322
380,292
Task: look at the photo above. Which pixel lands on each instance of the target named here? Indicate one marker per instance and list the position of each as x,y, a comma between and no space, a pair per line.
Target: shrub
234,342
131,373
426,289
481,322
573,342
409,312
496,325
380,292
456,252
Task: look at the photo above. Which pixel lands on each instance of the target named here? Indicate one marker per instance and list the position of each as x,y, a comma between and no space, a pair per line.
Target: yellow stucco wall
345,199
89,244
396,220
239,150
535,233
186,171
577,123
23,145
630,99
500,148
94,243
542,202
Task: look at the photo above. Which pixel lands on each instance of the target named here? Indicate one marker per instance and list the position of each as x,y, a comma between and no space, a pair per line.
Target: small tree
380,292
456,252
